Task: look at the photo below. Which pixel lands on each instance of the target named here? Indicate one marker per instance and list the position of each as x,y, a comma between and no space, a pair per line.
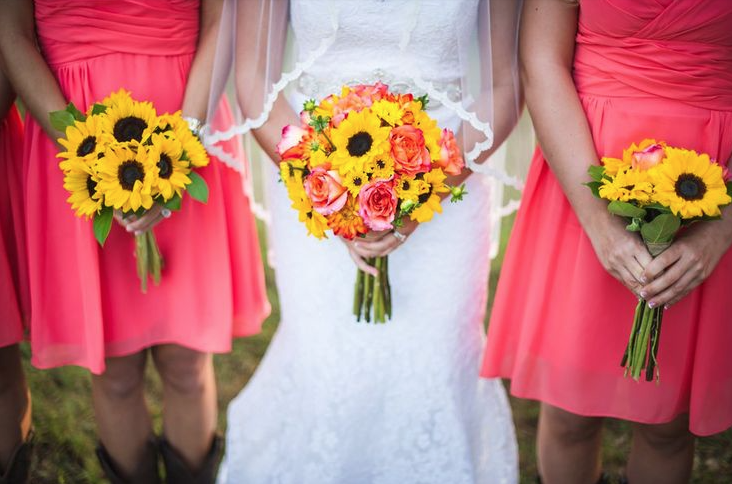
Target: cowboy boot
146,473
178,472
17,469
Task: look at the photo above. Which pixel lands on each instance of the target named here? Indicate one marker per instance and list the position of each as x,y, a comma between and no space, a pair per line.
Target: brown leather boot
146,473
176,470
17,469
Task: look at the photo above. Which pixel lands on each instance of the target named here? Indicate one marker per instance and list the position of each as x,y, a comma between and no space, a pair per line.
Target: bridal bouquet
658,189
363,160
122,156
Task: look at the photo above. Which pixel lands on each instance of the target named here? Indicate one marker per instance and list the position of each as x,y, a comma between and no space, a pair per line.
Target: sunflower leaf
198,189
174,203
60,120
729,189
625,209
661,229
78,115
103,224
594,188
98,109
596,172
635,225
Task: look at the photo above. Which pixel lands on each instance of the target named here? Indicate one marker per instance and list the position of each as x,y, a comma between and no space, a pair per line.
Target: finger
376,236
377,248
636,270
642,256
677,291
360,263
663,282
625,277
144,222
661,263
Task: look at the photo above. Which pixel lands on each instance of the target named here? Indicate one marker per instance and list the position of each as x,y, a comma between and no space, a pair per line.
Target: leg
15,404
189,401
122,417
661,453
568,447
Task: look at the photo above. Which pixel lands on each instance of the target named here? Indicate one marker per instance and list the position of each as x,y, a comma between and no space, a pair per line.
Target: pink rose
377,204
290,142
325,191
408,150
451,161
648,157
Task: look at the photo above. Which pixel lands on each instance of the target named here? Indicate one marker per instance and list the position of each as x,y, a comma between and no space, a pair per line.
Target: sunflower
316,223
690,184
431,132
346,222
409,188
615,165
172,173
193,150
126,177
355,180
120,97
628,185
130,120
430,201
358,139
85,140
389,112
318,156
80,179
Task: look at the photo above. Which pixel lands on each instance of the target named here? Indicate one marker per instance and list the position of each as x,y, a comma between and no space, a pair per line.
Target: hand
156,214
378,244
689,260
621,253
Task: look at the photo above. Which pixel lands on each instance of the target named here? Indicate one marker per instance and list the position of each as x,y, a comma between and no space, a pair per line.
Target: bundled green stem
372,294
149,259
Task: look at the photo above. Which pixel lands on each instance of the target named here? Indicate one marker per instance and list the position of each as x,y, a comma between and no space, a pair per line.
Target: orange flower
451,161
347,223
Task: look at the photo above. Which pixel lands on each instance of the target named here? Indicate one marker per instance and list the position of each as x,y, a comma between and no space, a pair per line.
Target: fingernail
651,304
355,244
138,232
643,294
644,280
129,229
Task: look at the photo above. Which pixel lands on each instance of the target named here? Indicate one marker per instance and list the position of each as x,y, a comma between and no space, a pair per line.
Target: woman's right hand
623,254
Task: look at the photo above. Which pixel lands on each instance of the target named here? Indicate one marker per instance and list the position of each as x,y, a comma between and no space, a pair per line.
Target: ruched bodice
75,30
651,48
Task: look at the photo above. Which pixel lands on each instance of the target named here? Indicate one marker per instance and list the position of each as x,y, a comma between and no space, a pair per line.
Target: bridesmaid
15,405
598,76
87,308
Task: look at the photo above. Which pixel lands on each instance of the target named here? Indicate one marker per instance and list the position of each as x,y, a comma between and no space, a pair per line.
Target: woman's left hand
156,214
689,260
380,244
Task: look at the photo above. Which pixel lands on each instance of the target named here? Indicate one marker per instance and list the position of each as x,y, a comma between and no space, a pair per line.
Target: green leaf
729,189
634,225
78,115
658,207
60,120
596,172
174,203
595,188
98,109
198,190
662,229
103,224
625,209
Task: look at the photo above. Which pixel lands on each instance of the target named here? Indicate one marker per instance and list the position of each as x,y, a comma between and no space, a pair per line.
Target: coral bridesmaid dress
13,274
86,301
657,69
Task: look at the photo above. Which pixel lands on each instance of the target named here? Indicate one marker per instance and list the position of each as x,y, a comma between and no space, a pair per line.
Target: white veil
266,65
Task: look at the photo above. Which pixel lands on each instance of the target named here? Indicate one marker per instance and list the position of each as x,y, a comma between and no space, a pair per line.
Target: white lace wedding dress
340,402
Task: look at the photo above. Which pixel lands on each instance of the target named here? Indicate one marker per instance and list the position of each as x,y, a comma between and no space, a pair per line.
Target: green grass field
65,432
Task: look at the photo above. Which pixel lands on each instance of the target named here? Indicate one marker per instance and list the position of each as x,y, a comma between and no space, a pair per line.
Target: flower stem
154,257
358,295
142,260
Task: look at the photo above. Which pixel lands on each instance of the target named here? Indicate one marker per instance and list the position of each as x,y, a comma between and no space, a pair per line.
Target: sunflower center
87,146
129,173
424,197
690,187
357,181
91,186
165,165
359,144
381,164
405,185
129,128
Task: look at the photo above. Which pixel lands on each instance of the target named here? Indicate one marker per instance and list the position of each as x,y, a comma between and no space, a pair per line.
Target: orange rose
451,160
324,190
291,145
409,151
648,157
377,203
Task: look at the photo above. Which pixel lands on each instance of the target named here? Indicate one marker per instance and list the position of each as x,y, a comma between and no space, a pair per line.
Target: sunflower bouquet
362,161
121,156
658,189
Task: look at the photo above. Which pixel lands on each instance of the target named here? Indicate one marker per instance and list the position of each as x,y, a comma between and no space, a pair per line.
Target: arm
26,68
547,44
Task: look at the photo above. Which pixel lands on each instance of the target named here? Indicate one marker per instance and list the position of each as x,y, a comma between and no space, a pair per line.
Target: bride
333,400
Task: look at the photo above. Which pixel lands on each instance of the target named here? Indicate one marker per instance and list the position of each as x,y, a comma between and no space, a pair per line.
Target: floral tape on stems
658,189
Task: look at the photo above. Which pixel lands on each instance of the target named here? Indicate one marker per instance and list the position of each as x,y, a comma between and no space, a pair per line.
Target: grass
65,431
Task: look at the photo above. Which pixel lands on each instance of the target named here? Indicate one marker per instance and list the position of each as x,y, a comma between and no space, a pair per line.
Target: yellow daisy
126,177
129,120
409,188
354,181
627,186
172,174
85,140
316,223
292,177
358,139
432,133
430,202
381,167
690,184
80,179
388,111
